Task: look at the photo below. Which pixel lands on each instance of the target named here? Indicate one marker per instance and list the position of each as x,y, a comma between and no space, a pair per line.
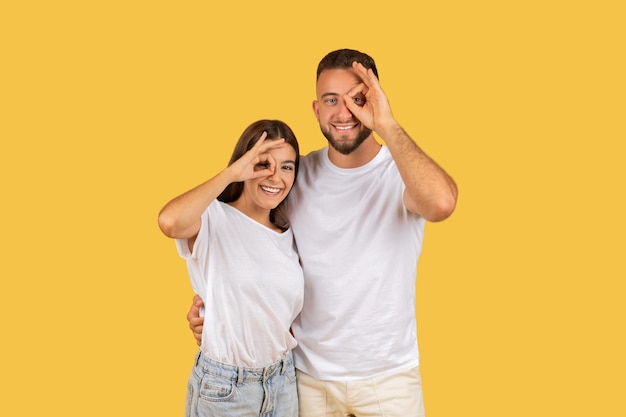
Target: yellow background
110,108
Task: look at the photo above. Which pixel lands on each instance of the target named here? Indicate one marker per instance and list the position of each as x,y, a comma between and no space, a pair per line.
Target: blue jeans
216,389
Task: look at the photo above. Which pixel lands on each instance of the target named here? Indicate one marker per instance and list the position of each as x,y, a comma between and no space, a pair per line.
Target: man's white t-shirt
251,282
359,248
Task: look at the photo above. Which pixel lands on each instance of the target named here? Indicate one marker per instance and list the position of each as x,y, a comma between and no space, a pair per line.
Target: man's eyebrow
330,94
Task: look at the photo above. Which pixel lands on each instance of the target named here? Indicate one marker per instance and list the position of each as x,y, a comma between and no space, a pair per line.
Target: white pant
395,395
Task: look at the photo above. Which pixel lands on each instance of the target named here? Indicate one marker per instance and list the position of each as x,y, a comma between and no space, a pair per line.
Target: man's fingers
360,88
366,74
196,324
197,300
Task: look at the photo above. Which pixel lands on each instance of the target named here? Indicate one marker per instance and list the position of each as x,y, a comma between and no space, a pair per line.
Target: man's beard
346,148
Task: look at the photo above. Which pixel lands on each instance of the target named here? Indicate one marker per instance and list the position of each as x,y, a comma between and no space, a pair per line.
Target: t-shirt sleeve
197,258
201,240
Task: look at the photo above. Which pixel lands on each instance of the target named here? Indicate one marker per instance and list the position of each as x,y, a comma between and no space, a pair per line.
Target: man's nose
344,113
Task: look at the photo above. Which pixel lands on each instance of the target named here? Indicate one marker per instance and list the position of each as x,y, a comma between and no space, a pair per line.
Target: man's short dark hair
343,59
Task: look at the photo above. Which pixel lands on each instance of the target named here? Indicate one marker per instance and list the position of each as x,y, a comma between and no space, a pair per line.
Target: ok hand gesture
375,112
257,162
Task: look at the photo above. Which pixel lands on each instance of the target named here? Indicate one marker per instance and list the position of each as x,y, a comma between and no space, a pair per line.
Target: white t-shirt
359,247
251,282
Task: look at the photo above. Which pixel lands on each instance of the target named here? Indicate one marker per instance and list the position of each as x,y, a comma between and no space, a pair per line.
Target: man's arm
196,323
430,191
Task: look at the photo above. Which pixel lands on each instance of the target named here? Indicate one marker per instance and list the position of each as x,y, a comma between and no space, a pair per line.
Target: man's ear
315,110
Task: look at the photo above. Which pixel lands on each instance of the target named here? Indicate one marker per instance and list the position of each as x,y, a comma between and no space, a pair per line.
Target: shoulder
311,163
313,157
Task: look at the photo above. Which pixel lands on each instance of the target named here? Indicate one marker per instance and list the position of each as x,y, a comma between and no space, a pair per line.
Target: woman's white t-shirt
250,279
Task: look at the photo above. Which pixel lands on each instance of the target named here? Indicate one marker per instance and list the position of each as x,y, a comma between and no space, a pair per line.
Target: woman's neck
256,213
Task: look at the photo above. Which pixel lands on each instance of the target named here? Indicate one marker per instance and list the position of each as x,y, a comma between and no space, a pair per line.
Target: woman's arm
180,218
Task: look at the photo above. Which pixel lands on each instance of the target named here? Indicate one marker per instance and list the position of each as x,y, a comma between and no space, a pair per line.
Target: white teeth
270,189
344,127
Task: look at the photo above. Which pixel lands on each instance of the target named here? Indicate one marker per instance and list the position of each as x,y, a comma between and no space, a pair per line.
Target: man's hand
196,323
375,113
430,192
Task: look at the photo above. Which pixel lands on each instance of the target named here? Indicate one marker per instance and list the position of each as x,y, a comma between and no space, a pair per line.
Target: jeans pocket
214,388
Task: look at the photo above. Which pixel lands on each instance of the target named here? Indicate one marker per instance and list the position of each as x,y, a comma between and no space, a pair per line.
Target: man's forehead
338,81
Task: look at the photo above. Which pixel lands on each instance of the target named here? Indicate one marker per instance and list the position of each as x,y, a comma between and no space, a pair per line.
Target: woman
246,269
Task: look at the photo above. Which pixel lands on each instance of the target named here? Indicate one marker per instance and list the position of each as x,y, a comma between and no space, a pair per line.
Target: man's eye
359,100
331,101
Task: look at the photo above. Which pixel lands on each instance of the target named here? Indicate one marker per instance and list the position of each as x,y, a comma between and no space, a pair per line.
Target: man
358,212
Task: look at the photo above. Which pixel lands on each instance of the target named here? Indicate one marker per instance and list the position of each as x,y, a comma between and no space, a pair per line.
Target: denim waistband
241,373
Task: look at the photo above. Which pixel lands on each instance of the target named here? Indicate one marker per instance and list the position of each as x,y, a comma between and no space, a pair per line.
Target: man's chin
344,149
346,146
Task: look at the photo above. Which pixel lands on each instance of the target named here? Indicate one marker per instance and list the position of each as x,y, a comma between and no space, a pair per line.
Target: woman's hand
257,162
